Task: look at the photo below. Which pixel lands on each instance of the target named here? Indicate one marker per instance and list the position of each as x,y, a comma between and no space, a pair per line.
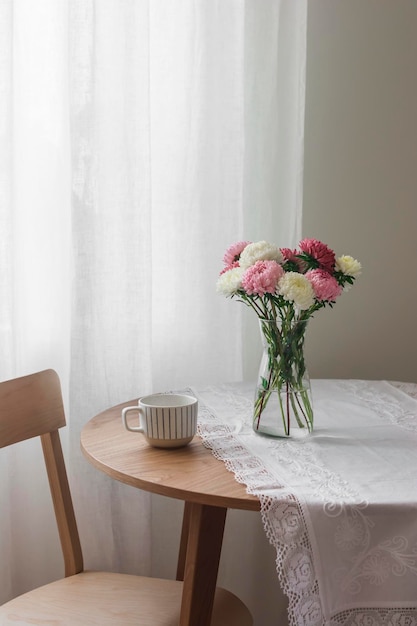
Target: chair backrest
32,406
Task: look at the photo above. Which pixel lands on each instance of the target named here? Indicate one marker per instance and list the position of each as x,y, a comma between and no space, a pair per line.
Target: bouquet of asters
285,287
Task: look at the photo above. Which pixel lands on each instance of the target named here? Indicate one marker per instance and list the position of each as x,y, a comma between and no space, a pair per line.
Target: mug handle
133,429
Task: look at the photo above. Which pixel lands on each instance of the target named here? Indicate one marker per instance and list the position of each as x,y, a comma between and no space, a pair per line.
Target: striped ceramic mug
167,420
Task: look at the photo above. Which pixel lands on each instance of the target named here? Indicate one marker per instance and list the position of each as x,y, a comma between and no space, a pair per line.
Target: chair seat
102,598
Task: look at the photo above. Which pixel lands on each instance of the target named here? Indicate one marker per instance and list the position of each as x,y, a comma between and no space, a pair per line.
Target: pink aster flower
320,252
289,254
292,256
233,253
324,285
229,267
262,278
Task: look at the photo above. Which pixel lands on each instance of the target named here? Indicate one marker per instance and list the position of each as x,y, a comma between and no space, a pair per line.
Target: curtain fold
138,140
35,262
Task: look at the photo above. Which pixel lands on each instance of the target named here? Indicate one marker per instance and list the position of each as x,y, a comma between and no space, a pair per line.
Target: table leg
205,537
184,541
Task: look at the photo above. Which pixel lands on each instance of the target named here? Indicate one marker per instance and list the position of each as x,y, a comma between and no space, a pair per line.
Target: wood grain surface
190,473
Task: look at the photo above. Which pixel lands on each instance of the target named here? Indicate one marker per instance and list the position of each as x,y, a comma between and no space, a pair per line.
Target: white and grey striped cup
166,420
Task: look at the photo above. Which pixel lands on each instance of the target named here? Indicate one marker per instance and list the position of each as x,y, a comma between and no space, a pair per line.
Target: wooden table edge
243,501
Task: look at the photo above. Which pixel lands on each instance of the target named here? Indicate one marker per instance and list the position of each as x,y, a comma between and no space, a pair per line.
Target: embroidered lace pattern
388,406
225,414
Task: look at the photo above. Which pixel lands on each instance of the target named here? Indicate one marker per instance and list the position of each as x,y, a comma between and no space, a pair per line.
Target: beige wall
360,182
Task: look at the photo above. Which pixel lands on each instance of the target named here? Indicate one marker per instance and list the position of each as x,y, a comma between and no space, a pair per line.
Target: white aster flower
348,265
230,281
259,251
297,288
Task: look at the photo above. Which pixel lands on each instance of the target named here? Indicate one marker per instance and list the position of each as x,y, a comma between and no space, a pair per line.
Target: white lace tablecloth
340,506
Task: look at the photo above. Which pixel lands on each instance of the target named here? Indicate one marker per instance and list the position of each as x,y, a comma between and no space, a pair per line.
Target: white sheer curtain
138,139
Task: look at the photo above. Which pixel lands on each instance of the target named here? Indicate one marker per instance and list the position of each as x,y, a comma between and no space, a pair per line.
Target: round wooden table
191,474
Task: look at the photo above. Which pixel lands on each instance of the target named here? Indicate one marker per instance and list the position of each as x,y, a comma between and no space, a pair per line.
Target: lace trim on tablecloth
283,519
282,514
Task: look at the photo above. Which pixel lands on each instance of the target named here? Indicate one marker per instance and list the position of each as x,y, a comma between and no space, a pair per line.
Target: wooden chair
32,406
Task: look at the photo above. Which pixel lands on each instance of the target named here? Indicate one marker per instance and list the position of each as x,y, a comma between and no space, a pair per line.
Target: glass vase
283,403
